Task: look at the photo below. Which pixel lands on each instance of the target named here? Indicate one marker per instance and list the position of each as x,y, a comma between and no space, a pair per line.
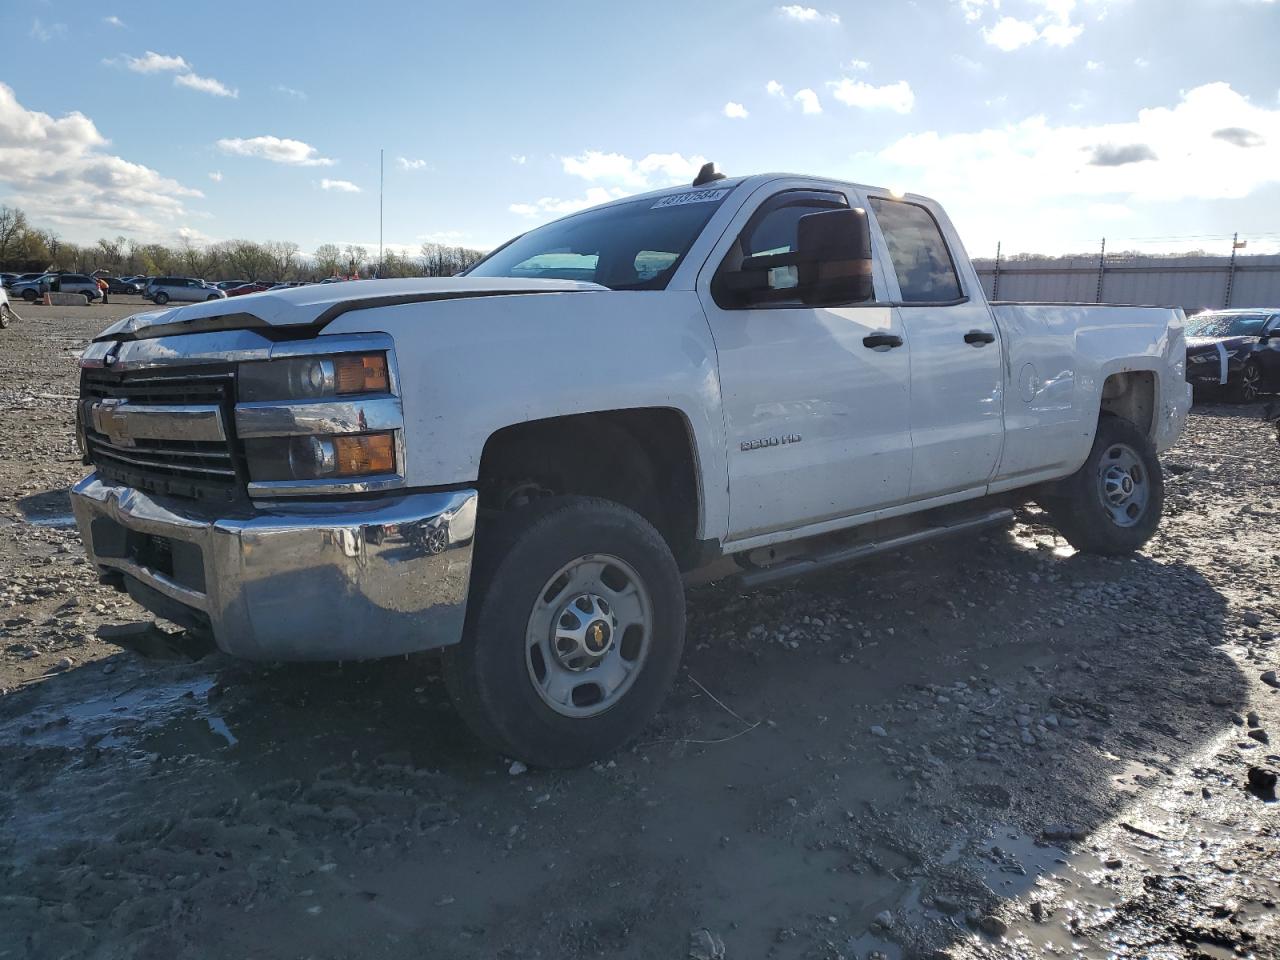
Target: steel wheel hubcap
588,635
1122,481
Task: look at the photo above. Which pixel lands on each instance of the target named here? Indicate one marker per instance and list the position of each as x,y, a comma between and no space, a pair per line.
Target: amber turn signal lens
367,453
361,373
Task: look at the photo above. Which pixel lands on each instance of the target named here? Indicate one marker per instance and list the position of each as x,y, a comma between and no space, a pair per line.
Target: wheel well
1131,396
642,459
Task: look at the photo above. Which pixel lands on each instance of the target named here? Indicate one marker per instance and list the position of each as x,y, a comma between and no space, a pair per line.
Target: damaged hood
318,303
1204,343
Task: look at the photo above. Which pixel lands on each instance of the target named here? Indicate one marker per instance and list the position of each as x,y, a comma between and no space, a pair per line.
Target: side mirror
834,257
831,265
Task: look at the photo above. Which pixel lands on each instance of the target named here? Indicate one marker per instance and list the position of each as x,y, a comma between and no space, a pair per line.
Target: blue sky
1042,123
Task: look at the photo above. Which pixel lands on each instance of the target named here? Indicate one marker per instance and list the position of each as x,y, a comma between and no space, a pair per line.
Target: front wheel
4,315
29,295
574,634
1112,504
213,297
160,299
1250,384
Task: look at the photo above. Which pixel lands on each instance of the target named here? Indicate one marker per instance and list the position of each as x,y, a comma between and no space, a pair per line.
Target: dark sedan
1236,352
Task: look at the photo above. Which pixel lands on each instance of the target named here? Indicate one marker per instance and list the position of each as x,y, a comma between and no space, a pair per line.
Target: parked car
160,290
6,312
23,278
1234,352
518,467
257,286
287,284
7,279
123,285
33,290
230,284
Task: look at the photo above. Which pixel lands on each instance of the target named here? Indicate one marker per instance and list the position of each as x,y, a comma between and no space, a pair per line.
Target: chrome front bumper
343,580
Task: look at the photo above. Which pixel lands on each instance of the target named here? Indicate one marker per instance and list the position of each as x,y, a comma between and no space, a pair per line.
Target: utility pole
995,281
381,153
1102,266
1231,267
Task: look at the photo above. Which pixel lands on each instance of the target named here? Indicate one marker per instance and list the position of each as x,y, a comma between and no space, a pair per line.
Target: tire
29,295
493,675
1092,508
88,300
4,315
160,299
1249,386
207,299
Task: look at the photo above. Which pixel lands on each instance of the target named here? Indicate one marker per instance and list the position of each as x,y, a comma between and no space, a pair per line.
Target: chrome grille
197,469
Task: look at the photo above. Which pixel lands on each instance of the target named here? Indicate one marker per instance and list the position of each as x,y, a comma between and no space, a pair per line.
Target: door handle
979,337
874,340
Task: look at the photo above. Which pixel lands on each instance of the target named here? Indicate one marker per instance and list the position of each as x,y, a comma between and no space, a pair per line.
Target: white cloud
808,101
1093,66
774,89
152,62
519,159
410,163
205,85
113,21
857,65
60,173
735,111
800,14
1141,62
966,63
654,170
215,176
342,186
556,207
897,97
1061,34
293,92
1009,34
44,32
1165,154
973,9
277,150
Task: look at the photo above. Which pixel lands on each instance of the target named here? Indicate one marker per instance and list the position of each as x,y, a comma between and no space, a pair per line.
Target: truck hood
318,303
1201,343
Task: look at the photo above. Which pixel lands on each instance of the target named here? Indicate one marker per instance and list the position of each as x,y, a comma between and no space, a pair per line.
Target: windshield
1226,325
626,246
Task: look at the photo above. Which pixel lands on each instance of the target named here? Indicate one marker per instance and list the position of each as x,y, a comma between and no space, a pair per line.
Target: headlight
340,456
314,378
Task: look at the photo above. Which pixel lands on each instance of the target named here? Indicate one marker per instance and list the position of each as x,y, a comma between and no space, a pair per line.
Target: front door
957,376
816,399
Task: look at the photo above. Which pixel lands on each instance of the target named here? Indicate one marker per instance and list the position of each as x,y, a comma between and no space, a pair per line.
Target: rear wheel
160,299
1112,504
211,297
1249,387
574,633
88,299
29,295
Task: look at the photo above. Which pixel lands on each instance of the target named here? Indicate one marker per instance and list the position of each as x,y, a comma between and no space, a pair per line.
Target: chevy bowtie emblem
111,422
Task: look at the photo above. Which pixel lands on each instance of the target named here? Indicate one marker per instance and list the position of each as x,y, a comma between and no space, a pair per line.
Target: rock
885,919
1113,863
66,663
1270,679
945,904
879,731
705,945
516,768
1260,735
1038,911
1064,831
1252,718
993,926
1252,618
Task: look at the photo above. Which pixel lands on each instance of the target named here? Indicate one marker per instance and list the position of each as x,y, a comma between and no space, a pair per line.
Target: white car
772,374
160,290
6,312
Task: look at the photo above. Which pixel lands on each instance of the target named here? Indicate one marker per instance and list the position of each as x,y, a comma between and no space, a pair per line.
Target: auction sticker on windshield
697,196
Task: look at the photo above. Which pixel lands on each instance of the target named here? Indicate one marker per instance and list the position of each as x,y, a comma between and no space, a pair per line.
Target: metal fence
1192,283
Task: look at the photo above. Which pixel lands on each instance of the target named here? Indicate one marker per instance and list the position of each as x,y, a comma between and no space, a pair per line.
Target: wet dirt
986,748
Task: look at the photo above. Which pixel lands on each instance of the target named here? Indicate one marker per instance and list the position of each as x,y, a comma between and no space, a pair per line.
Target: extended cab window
635,245
926,273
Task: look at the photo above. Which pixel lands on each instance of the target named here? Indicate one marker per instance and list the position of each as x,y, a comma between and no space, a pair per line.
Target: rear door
815,397
957,377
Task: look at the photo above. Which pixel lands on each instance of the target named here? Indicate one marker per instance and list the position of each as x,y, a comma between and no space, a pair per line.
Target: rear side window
926,273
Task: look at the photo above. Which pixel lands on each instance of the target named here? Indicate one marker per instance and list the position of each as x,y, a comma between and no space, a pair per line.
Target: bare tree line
24,247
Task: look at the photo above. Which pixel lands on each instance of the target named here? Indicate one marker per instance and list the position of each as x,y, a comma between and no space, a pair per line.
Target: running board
811,564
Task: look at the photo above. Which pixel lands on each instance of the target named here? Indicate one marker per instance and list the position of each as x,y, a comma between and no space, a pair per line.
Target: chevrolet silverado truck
523,464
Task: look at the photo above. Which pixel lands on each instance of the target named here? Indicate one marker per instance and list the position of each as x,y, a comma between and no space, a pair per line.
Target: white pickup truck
520,464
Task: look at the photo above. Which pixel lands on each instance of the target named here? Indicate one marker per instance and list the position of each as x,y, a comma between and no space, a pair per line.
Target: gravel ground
986,748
